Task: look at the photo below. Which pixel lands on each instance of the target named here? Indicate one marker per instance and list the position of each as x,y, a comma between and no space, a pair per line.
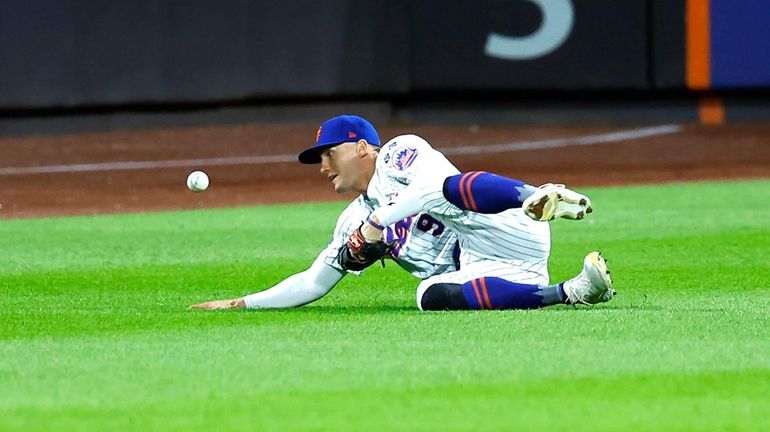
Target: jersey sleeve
405,160
350,219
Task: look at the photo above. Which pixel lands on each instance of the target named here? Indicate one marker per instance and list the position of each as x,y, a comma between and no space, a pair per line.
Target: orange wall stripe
698,44
711,110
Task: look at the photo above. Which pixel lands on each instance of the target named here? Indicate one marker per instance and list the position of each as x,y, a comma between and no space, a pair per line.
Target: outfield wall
75,53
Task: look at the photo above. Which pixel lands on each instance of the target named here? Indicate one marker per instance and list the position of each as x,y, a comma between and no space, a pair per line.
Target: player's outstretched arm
296,290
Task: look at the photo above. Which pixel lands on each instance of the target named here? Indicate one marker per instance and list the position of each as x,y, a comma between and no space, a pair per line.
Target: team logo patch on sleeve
404,157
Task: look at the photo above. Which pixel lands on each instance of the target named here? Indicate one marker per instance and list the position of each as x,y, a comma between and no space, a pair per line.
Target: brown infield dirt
735,151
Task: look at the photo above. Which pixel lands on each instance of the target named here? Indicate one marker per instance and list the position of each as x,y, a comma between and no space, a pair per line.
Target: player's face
348,166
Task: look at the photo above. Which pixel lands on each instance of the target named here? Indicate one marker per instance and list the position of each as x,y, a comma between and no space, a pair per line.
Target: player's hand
372,229
362,240
221,304
359,252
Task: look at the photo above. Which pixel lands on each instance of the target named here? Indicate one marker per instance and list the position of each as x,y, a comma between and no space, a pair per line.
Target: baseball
198,181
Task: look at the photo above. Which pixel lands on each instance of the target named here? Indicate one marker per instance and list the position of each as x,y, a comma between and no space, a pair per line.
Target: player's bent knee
441,296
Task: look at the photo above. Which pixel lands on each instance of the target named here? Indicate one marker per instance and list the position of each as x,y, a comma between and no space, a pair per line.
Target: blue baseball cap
338,130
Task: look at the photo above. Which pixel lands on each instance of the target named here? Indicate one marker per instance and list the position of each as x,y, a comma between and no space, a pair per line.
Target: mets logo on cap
318,134
403,157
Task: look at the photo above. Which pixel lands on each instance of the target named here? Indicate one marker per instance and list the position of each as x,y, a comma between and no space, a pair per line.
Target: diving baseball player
477,240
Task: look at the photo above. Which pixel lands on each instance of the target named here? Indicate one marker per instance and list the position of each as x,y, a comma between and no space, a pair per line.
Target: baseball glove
357,254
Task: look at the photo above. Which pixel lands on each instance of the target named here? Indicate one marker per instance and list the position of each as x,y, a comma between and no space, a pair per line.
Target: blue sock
497,293
483,192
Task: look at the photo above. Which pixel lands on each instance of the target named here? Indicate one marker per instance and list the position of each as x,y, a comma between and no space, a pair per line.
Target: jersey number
401,232
427,223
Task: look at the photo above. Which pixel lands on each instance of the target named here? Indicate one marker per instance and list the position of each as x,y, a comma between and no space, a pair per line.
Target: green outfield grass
95,333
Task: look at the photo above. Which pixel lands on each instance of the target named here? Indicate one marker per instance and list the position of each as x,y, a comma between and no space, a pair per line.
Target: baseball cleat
593,284
551,201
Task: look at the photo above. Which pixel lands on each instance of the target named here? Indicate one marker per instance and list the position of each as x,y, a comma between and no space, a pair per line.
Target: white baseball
198,181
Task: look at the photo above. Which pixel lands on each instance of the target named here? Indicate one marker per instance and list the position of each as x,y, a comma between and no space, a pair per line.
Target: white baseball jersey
508,244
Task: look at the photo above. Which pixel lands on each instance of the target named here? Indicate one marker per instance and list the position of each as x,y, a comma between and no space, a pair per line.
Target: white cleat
593,284
551,201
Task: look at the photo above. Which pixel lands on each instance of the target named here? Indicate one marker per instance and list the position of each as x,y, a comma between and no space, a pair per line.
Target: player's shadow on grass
348,310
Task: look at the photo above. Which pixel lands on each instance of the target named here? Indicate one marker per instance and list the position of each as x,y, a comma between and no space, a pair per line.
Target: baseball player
477,240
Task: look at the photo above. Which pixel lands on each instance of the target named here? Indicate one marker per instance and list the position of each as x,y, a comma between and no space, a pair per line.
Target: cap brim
313,154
